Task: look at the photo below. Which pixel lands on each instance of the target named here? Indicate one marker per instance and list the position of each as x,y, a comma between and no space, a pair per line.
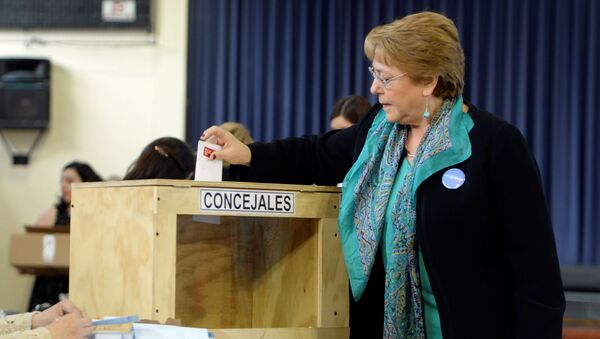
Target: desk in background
43,251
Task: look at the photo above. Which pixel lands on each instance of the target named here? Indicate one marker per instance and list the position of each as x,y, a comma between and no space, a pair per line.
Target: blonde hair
239,131
425,45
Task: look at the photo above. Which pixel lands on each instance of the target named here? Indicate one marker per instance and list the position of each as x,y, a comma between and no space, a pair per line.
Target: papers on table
156,331
147,331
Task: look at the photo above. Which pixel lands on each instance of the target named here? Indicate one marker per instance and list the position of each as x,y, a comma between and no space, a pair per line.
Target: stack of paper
147,331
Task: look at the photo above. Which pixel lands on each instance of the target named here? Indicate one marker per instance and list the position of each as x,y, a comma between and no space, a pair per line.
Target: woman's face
340,122
68,177
403,100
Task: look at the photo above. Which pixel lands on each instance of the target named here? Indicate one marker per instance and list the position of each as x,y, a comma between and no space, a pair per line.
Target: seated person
347,111
163,158
63,320
60,214
47,290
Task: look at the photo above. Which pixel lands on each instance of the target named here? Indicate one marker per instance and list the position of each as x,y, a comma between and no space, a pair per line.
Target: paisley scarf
365,197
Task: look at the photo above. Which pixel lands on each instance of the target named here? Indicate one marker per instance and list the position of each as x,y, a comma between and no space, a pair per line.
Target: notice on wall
118,10
248,201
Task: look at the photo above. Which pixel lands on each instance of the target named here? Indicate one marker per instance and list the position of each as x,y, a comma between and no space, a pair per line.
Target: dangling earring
426,114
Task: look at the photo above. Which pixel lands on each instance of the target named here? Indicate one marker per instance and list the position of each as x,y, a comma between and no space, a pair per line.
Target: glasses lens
383,82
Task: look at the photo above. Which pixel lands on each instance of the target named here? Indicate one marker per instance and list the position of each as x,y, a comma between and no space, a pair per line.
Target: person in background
60,214
61,321
238,130
163,158
443,221
241,133
49,289
347,111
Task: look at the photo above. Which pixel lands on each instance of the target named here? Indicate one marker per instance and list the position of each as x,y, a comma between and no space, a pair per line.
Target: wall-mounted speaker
24,93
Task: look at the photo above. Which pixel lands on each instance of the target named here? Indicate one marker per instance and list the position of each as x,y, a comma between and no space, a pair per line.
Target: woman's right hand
234,151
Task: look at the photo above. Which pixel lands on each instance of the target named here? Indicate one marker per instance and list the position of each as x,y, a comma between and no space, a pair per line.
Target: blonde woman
443,221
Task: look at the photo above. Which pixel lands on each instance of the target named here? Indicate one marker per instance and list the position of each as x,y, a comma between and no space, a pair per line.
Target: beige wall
107,102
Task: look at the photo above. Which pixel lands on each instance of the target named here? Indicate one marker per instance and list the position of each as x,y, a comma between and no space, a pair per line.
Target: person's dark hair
351,107
87,174
85,171
163,158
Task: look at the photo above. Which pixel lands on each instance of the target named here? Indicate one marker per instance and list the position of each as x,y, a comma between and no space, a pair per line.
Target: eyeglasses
385,83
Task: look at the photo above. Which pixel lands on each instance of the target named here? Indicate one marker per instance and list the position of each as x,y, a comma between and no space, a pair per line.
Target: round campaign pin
453,178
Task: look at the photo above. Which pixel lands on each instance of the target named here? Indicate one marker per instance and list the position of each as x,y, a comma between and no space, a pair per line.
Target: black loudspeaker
24,93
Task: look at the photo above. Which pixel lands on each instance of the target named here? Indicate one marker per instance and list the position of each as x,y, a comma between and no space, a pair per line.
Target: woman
47,289
60,214
347,111
164,158
63,320
238,130
445,229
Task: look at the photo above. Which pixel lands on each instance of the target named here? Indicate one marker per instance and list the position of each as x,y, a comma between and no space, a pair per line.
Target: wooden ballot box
245,260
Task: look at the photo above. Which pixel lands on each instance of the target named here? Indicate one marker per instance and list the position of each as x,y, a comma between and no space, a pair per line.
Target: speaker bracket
21,158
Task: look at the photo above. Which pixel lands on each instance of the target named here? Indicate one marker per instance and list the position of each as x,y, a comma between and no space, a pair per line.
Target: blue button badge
453,178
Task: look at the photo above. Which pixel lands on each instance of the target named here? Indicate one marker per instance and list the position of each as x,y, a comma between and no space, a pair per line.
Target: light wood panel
333,291
193,183
112,251
165,256
282,333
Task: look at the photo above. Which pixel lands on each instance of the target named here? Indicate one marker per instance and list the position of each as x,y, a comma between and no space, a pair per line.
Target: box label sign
247,201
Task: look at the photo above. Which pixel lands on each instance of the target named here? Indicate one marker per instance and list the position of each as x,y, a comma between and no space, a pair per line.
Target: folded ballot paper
147,330
206,169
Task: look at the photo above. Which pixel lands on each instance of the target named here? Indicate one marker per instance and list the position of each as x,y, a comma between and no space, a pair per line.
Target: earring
426,114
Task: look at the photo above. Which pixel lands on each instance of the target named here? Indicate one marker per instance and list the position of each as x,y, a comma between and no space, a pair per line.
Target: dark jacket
488,246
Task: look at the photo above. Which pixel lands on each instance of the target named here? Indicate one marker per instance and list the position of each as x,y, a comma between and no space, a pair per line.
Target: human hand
234,151
71,326
58,310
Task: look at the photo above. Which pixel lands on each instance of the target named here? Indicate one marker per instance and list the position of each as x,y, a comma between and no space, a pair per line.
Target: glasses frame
385,83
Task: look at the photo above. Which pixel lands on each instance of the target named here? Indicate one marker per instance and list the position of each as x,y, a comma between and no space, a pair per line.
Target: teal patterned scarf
365,197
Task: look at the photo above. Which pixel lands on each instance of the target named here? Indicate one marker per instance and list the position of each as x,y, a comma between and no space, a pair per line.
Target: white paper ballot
206,169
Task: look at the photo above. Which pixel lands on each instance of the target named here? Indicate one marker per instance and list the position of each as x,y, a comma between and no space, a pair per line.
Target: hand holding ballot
234,151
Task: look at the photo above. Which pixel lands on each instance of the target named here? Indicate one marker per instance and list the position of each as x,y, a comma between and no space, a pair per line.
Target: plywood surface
333,277
112,251
282,333
224,184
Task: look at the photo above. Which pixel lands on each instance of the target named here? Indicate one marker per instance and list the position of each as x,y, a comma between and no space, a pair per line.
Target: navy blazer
488,246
